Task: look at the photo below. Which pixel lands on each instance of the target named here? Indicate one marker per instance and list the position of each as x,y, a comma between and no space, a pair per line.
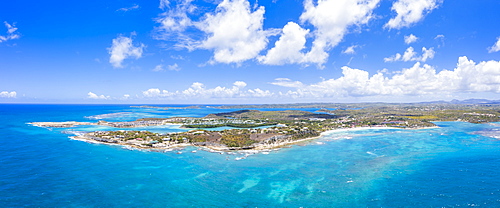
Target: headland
265,130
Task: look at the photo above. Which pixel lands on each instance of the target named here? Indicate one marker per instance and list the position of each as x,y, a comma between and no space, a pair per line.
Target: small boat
240,158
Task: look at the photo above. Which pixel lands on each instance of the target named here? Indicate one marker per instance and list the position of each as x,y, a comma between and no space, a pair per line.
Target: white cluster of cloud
495,47
11,33
92,95
411,55
6,94
410,39
331,20
410,12
234,31
288,49
199,91
121,49
417,80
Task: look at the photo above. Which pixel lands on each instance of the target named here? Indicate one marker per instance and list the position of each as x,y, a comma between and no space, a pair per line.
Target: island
264,130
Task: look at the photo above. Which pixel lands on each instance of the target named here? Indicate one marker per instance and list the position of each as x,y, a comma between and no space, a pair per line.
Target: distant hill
475,101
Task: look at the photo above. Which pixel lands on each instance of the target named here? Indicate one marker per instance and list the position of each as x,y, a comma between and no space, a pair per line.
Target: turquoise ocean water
456,165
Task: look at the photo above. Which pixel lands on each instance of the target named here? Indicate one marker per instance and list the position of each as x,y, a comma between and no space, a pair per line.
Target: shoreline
64,124
374,128
258,148
69,124
92,141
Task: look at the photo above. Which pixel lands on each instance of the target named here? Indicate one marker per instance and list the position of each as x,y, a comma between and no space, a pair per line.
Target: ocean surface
455,165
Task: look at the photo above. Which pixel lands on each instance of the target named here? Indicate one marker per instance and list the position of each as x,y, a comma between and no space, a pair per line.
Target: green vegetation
425,117
277,116
419,115
237,140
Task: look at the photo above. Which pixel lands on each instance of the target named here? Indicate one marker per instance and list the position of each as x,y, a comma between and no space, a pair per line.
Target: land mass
167,108
270,129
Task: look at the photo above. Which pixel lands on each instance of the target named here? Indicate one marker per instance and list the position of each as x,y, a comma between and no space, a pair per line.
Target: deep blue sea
456,165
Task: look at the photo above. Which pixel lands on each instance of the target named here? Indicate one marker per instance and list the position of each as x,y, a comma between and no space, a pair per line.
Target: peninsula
254,129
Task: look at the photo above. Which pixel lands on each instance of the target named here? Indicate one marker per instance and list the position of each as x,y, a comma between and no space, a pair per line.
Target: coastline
69,124
92,141
257,148
65,124
373,128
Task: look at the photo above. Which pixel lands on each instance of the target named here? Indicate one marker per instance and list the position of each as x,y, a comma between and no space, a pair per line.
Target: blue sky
240,51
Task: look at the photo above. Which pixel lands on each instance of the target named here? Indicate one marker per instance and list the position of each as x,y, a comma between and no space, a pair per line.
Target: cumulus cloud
410,39
258,93
6,94
495,47
121,49
92,95
11,33
234,32
155,92
411,55
331,19
410,12
417,80
287,49
199,91
420,79
481,77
